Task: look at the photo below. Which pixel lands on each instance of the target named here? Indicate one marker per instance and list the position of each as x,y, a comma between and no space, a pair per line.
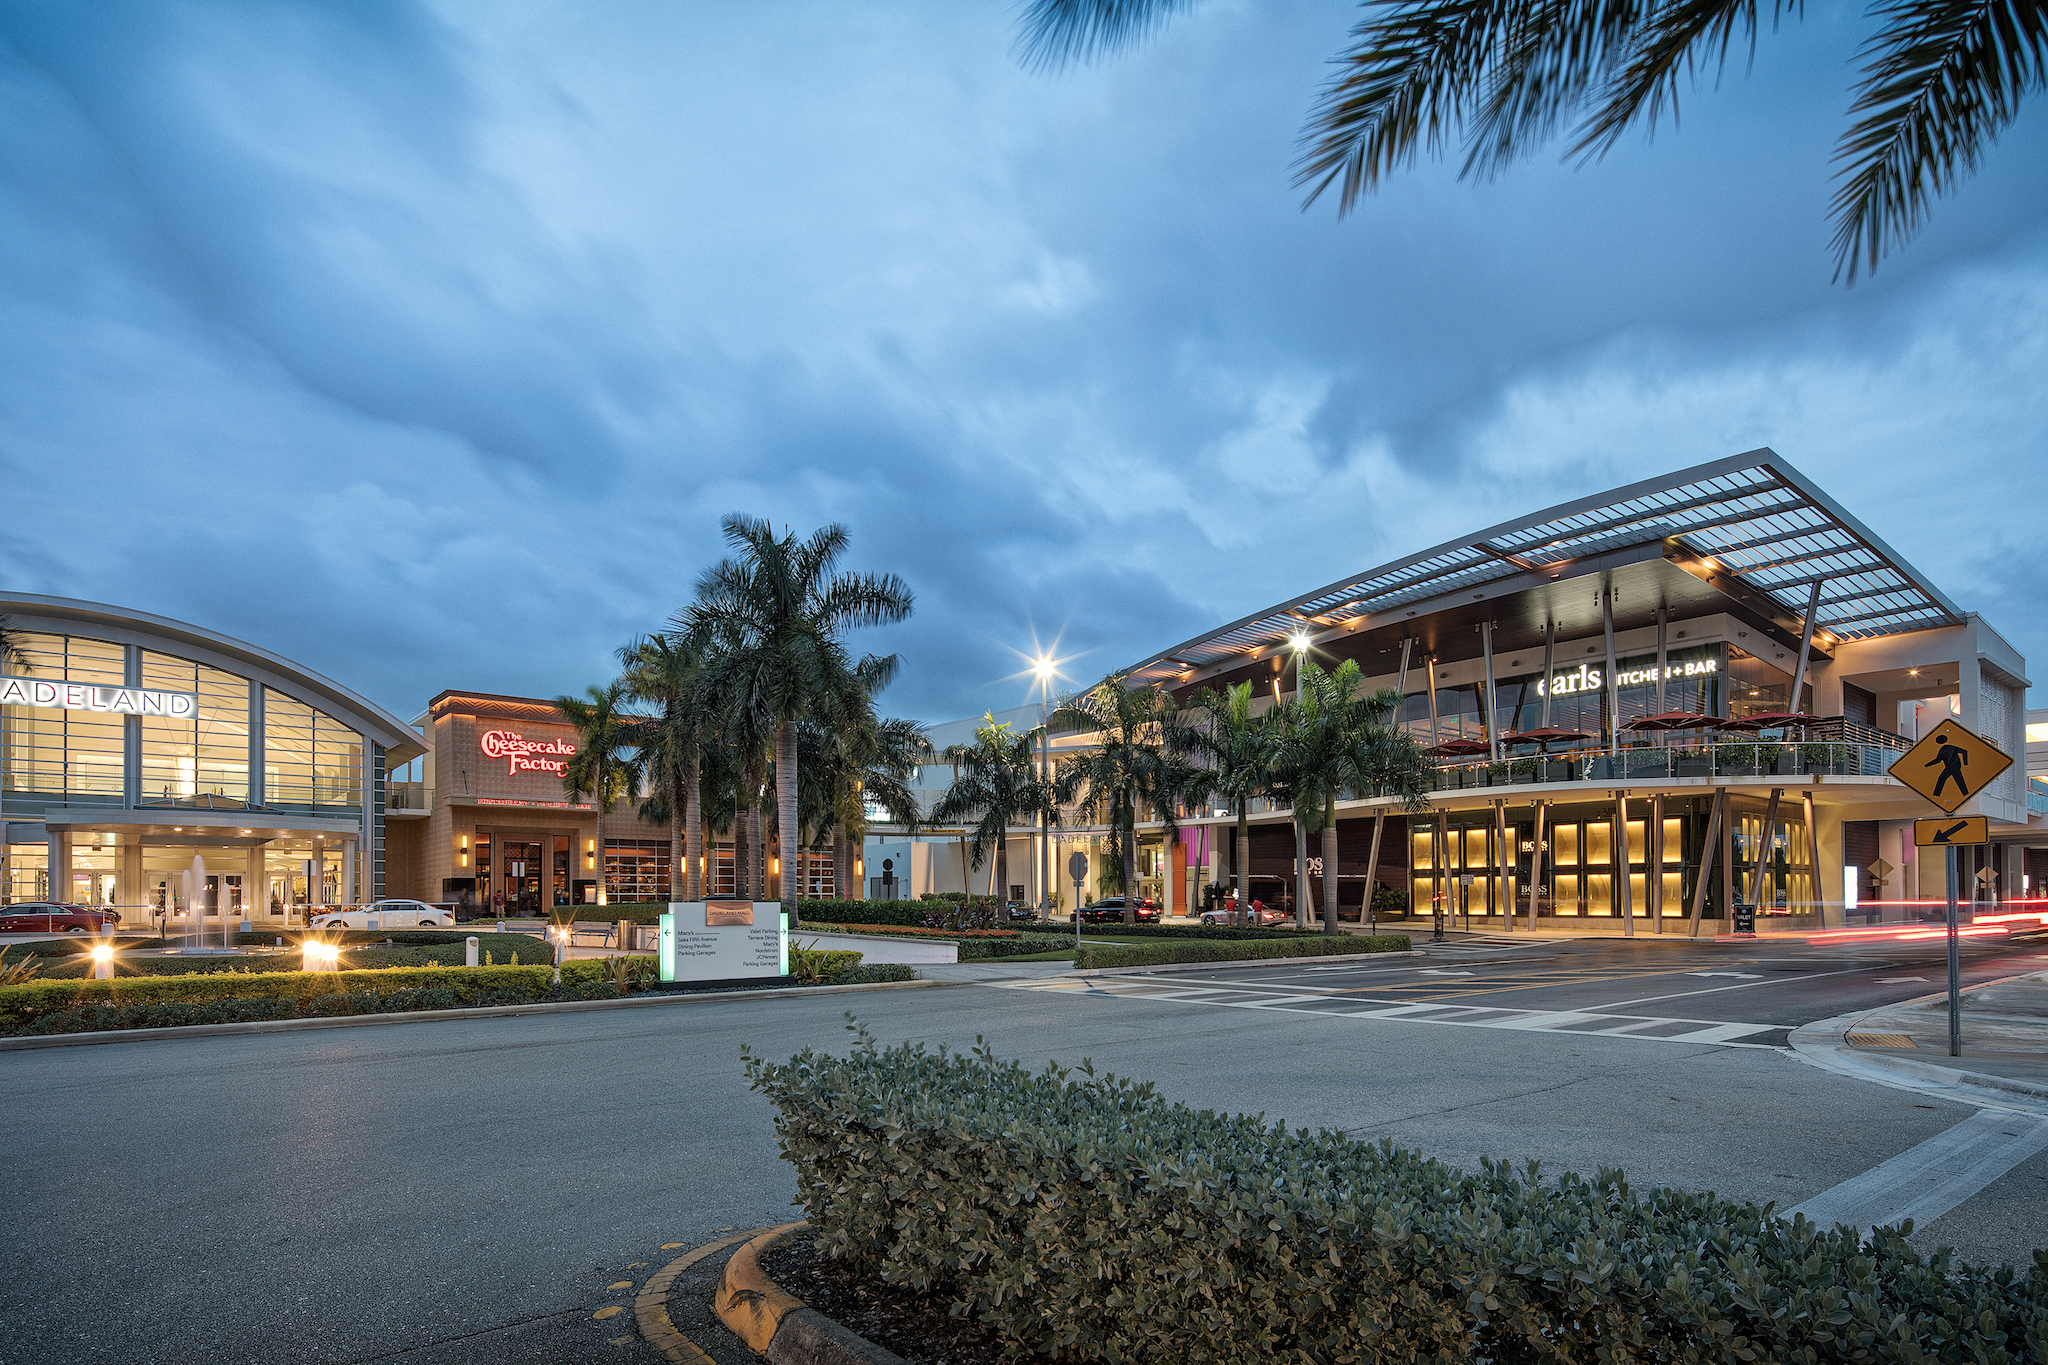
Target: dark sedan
1112,908
46,917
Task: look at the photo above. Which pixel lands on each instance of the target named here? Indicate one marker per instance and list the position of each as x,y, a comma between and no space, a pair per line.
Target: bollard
501,926
624,936
469,952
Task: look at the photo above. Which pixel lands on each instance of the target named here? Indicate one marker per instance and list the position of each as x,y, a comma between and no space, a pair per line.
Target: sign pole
1955,962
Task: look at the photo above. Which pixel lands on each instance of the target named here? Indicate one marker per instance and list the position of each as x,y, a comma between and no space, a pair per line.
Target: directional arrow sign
1960,829
1950,765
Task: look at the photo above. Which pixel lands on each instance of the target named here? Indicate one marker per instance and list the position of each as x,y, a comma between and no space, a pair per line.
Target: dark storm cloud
428,344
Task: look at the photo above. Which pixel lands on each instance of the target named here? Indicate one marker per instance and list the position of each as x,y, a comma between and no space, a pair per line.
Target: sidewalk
2005,1043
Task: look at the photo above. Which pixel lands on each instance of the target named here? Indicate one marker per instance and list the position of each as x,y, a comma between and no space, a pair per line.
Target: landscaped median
1085,1218
241,996
1093,955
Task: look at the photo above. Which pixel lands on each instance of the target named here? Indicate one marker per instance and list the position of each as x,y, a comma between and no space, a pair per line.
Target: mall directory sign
1950,765
1957,829
723,940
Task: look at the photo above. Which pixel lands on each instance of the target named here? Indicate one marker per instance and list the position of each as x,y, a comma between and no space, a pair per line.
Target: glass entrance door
520,880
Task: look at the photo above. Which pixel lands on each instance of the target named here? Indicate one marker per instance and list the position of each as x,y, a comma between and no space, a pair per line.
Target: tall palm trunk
757,851
599,841
791,840
675,850
1330,863
840,871
742,858
1002,888
1244,864
1130,842
700,861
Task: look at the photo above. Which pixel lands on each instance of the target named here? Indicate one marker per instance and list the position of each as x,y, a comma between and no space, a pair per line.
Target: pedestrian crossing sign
1950,765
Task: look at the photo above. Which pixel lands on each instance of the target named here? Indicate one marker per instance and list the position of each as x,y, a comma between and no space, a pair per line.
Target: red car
44,917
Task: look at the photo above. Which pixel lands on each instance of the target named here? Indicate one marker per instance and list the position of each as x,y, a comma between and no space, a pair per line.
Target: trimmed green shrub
367,954
1085,1218
1152,954
583,970
983,949
867,975
21,1006
863,912
161,1014
810,966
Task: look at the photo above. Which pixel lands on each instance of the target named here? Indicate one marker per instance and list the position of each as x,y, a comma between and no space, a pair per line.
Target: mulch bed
918,1327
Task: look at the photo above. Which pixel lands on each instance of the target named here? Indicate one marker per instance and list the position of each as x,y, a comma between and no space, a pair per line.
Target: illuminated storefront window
204,756
636,871
311,762
53,756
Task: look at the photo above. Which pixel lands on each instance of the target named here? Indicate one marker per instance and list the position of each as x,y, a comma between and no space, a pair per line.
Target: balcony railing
405,796
1654,763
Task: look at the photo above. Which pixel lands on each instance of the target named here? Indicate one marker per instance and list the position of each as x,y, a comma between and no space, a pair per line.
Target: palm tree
1337,740
666,673
602,765
1233,748
870,763
998,784
1940,82
772,618
11,652
1130,766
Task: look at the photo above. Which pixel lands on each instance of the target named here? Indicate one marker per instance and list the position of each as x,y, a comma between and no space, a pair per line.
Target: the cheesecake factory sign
523,755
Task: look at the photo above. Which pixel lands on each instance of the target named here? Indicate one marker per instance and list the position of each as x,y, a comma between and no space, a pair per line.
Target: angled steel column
1434,738
1653,860
1619,845
1805,644
1662,621
1709,842
1505,858
1763,853
1536,863
1492,717
1612,689
1820,899
1549,647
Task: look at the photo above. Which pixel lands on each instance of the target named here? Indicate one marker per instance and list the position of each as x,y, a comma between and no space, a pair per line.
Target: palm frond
1943,79
1676,40
1056,34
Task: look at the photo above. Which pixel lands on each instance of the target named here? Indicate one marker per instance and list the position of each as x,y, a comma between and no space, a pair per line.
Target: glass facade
207,756
1578,694
311,762
54,757
636,871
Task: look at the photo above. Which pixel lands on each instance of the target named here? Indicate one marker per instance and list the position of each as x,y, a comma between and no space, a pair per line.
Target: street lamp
1299,642
1045,667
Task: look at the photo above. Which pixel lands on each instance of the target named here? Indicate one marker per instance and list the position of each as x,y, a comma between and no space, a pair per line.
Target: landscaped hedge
1153,954
1085,1218
1218,932
1024,945
21,1006
863,912
367,954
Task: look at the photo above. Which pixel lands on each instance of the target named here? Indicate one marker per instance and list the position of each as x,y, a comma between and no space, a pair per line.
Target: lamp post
1299,642
1044,667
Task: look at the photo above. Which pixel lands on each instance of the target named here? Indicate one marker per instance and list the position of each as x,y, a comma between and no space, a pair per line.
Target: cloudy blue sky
427,343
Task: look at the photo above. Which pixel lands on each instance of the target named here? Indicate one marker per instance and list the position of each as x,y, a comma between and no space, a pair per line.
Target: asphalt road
479,1190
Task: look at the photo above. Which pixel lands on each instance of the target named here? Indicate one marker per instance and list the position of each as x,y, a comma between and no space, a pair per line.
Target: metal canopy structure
1751,525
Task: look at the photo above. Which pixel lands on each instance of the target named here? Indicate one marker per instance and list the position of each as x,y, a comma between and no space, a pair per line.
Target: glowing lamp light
1298,641
103,953
1042,666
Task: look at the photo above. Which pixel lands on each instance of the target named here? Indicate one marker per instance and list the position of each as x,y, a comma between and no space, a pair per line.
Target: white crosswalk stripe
1330,1004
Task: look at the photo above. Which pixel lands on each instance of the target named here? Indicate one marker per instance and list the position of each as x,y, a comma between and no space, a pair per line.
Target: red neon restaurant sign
522,754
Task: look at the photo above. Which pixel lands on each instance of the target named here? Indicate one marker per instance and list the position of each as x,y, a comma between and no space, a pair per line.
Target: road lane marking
1746,976
1924,1182
1745,986
1895,980
1576,1023
1445,971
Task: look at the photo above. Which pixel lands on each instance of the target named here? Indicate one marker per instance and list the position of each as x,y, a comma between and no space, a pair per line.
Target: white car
386,915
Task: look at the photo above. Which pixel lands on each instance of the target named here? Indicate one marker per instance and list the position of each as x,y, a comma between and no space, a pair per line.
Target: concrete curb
1240,962
144,1035
1824,1044
778,1325
650,1305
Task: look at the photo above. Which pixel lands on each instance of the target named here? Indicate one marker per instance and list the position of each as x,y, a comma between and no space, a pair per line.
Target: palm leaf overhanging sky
1940,80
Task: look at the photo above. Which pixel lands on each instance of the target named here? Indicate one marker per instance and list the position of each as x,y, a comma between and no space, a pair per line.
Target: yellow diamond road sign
1950,765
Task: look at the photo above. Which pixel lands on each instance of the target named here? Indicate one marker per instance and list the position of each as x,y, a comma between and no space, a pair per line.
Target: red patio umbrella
1772,720
1672,720
1456,748
1546,736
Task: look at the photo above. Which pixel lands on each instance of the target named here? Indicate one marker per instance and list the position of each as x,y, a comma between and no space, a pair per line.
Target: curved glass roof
1751,517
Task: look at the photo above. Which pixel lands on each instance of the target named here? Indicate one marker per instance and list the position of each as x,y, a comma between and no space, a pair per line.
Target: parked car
48,917
1017,910
388,914
1253,917
1112,908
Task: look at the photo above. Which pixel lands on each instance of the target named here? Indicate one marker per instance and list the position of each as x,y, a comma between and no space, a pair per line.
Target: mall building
1662,700
131,745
